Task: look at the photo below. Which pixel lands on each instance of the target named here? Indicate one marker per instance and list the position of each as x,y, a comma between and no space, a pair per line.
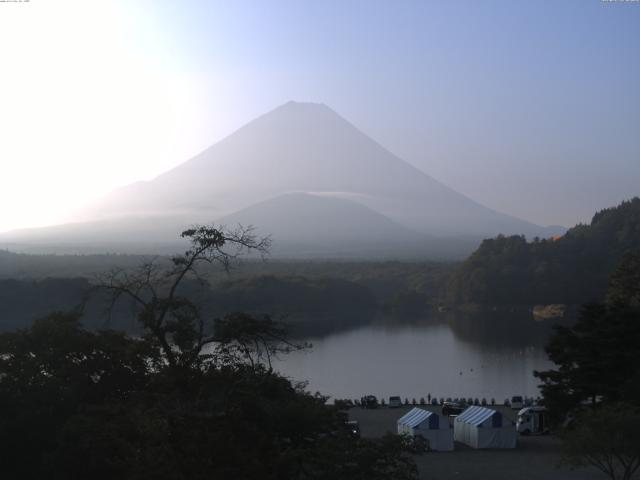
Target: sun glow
80,109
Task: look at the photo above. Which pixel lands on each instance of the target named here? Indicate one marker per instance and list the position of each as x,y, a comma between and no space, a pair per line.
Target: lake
459,357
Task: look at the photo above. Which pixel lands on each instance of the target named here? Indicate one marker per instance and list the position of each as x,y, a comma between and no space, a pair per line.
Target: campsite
533,458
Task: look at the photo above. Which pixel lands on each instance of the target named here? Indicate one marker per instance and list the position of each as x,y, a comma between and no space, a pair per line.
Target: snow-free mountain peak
309,148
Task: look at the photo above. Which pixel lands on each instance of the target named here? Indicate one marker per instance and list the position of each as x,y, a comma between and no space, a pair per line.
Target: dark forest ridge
572,269
301,148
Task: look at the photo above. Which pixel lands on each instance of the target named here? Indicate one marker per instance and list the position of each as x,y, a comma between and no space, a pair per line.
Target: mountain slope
302,147
322,226
298,147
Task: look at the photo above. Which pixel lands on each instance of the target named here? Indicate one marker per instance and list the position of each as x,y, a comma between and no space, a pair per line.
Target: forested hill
572,269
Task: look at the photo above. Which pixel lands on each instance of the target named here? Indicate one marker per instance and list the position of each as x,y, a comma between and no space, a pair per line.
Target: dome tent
481,427
430,425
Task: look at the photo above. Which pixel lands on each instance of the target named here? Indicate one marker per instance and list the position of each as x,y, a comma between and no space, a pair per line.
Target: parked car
452,408
395,402
517,402
369,401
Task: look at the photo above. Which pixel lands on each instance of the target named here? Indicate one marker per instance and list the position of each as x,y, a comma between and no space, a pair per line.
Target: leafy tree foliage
309,306
594,395
253,341
329,295
52,372
169,317
78,404
607,439
318,305
598,357
189,399
572,269
624,285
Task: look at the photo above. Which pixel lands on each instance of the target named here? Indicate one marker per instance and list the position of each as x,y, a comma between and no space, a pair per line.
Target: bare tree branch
173,320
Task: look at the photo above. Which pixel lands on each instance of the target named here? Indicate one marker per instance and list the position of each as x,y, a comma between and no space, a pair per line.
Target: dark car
369,401
452,408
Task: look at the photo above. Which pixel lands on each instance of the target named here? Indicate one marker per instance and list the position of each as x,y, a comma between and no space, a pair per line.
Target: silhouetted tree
607,438
624,284
53,372
598,357
242,338
172,319
189,399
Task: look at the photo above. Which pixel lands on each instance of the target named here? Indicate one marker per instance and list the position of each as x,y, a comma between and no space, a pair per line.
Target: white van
532,421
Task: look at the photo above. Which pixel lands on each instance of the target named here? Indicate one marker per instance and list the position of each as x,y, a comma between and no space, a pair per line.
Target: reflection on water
455,357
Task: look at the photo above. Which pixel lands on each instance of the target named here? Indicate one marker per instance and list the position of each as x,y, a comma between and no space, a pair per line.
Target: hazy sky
532,108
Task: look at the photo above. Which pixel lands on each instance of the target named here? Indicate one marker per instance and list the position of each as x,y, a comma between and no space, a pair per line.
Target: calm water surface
465,358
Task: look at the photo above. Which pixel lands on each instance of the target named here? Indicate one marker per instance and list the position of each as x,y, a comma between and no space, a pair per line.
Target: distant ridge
572,269
297,147
316,226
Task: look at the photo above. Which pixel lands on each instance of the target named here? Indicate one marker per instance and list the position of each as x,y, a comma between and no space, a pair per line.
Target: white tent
481,427
430,425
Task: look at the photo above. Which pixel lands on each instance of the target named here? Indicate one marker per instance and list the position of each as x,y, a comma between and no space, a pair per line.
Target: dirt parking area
534,458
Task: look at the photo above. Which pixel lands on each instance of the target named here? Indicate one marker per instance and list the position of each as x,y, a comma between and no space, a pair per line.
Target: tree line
191,397
593,396
572,269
